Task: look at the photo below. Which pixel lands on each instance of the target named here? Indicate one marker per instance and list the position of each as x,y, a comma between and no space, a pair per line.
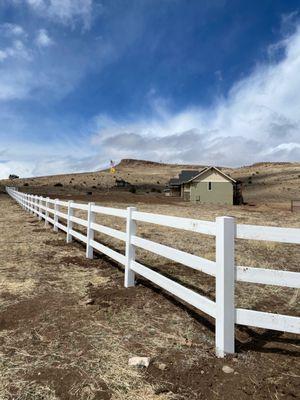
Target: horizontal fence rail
223,269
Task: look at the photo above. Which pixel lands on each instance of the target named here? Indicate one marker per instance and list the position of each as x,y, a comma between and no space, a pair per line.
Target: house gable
211,174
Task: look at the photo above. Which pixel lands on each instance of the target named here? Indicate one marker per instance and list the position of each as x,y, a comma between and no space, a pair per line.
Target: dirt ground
68,326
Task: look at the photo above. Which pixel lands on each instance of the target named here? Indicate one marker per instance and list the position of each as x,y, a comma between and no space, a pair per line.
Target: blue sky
195,81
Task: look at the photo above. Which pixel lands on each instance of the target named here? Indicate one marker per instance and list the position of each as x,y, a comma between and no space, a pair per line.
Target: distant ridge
132,162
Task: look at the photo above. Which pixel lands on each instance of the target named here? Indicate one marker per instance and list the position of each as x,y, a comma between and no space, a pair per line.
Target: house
174,187
213,186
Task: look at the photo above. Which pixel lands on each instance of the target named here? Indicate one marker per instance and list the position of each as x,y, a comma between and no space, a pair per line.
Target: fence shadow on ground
255,340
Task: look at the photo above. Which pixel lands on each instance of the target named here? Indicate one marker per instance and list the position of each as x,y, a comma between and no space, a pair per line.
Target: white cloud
19,168
16,50
9,30
67,12
36,159
259,120
43,39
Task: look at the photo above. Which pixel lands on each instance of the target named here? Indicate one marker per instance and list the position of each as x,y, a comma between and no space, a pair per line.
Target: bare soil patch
68,326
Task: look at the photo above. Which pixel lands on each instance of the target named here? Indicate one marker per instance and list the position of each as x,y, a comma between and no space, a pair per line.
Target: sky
83,82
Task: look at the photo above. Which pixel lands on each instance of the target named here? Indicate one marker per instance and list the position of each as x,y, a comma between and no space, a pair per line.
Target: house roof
174,182
187,174
215,169
183,176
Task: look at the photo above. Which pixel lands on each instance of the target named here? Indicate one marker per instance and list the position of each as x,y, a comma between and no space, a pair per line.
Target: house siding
220,193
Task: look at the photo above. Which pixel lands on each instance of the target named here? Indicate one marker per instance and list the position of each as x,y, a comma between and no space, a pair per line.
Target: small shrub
58,184
89,193
13,176
132,189
94,187
26,184
155,190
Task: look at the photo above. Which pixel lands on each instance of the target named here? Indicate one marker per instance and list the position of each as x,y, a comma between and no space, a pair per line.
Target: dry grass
44,326
49,336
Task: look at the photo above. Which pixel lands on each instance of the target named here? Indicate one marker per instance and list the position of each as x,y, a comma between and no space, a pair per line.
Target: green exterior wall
221,193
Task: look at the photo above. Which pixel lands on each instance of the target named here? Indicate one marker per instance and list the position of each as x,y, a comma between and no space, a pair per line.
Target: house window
209,186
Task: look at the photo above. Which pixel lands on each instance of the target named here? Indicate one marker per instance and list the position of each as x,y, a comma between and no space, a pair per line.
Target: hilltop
263,182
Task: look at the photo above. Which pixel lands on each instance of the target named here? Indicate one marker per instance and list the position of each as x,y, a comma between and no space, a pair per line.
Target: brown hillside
262,182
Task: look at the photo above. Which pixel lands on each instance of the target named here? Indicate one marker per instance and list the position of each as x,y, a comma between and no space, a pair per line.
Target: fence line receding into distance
224,229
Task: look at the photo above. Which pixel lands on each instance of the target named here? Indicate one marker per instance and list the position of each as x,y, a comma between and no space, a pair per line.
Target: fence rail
226,273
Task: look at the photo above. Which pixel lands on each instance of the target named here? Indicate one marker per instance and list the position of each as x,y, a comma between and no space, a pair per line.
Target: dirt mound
27,311
117,297
63,381
206,380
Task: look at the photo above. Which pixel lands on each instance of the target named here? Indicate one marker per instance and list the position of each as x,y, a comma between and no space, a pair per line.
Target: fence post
35,203
46,212
40,210
130,248
90,232
225,275
69,222
56,208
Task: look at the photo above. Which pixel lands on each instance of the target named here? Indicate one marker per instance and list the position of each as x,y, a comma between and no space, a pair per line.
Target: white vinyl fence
223,268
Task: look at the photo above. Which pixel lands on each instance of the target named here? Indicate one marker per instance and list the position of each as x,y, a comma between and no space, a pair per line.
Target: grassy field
68,326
